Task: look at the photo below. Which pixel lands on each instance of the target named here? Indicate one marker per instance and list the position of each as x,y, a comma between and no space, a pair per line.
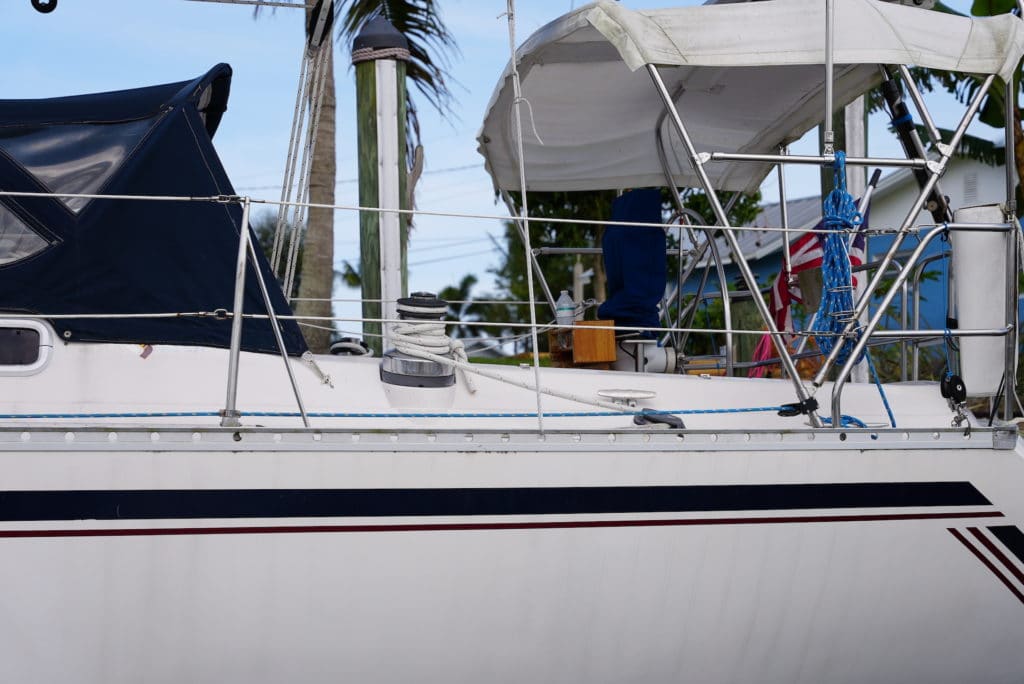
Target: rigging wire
524,212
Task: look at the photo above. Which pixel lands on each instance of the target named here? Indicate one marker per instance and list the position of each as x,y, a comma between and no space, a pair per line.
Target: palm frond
972,147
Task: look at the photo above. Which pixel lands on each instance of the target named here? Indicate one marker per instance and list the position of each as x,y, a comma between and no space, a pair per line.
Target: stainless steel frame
936,169
815,160
709,236
862,340
230,416
723,220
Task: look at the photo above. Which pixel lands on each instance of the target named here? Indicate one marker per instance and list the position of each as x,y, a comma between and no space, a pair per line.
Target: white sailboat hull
723,565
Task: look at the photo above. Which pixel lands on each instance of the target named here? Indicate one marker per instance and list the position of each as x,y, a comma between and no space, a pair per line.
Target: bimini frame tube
1012,256
815,159
784,217
936,169
741,260
709,236
828,135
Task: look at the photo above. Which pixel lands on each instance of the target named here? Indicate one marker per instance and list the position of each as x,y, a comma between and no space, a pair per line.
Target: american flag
805,253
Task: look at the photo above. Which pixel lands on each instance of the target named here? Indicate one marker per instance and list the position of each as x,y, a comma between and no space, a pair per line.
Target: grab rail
870,329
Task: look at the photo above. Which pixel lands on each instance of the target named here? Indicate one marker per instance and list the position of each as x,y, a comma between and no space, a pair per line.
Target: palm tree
430,45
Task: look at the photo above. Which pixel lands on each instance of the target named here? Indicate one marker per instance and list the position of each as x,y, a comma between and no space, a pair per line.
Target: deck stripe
499,501
998,553
465,527
1012,538
988,564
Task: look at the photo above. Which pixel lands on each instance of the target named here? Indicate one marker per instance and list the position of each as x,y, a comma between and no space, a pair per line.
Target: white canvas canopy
746,78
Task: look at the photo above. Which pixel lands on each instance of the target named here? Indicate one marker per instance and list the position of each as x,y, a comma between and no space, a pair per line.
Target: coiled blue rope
839,212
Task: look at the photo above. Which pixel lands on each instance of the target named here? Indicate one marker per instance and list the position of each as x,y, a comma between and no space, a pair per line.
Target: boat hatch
25,346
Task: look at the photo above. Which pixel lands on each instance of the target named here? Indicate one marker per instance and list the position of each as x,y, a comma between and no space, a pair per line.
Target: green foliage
431,45
965,86
265,225
987,8
349,275
511,274
430,42
467,310
971,147
742,213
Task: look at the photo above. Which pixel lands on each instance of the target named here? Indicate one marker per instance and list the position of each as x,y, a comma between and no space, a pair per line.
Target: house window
17,240
74,158
970,187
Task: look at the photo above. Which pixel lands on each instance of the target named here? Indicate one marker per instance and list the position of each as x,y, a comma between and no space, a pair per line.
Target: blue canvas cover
78,256
634,261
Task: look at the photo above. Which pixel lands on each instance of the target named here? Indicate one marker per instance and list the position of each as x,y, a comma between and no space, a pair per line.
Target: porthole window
25,346
19,346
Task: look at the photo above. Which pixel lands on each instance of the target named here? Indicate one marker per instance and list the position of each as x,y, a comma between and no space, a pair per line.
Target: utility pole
379,54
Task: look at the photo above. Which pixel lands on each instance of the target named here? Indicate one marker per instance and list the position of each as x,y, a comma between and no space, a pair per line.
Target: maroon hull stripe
1014,570
1011,537
988,564
462,527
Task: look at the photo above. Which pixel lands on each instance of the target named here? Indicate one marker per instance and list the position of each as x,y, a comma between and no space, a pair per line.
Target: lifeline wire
523,205
238,199
330,414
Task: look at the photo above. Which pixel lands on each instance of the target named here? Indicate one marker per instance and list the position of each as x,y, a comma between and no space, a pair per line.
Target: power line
451,257
259,3
347,181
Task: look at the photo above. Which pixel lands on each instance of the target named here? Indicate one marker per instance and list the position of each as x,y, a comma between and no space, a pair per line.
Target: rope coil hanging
840,217
836,307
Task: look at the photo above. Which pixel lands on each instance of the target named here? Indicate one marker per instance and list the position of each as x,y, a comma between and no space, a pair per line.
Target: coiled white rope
429,340
414,348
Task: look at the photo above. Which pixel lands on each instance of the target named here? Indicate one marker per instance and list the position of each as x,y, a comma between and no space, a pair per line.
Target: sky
97,45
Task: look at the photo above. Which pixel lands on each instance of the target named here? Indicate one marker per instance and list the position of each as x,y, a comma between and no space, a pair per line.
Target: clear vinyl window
17,241
75,158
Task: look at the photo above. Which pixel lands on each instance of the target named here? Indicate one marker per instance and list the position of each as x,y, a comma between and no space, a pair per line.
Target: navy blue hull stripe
1012,538
312,503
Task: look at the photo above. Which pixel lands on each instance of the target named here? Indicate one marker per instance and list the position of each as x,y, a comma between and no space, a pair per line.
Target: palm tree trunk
316,277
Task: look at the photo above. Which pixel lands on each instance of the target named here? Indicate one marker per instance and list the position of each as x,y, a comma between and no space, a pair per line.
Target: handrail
936,170
862,341
556,251
915,283
903,308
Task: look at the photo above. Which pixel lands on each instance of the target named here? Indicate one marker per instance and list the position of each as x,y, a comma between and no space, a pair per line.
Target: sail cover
73,255
746,77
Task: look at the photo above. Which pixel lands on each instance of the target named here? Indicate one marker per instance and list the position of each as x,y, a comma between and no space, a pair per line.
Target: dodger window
17,240
73,158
